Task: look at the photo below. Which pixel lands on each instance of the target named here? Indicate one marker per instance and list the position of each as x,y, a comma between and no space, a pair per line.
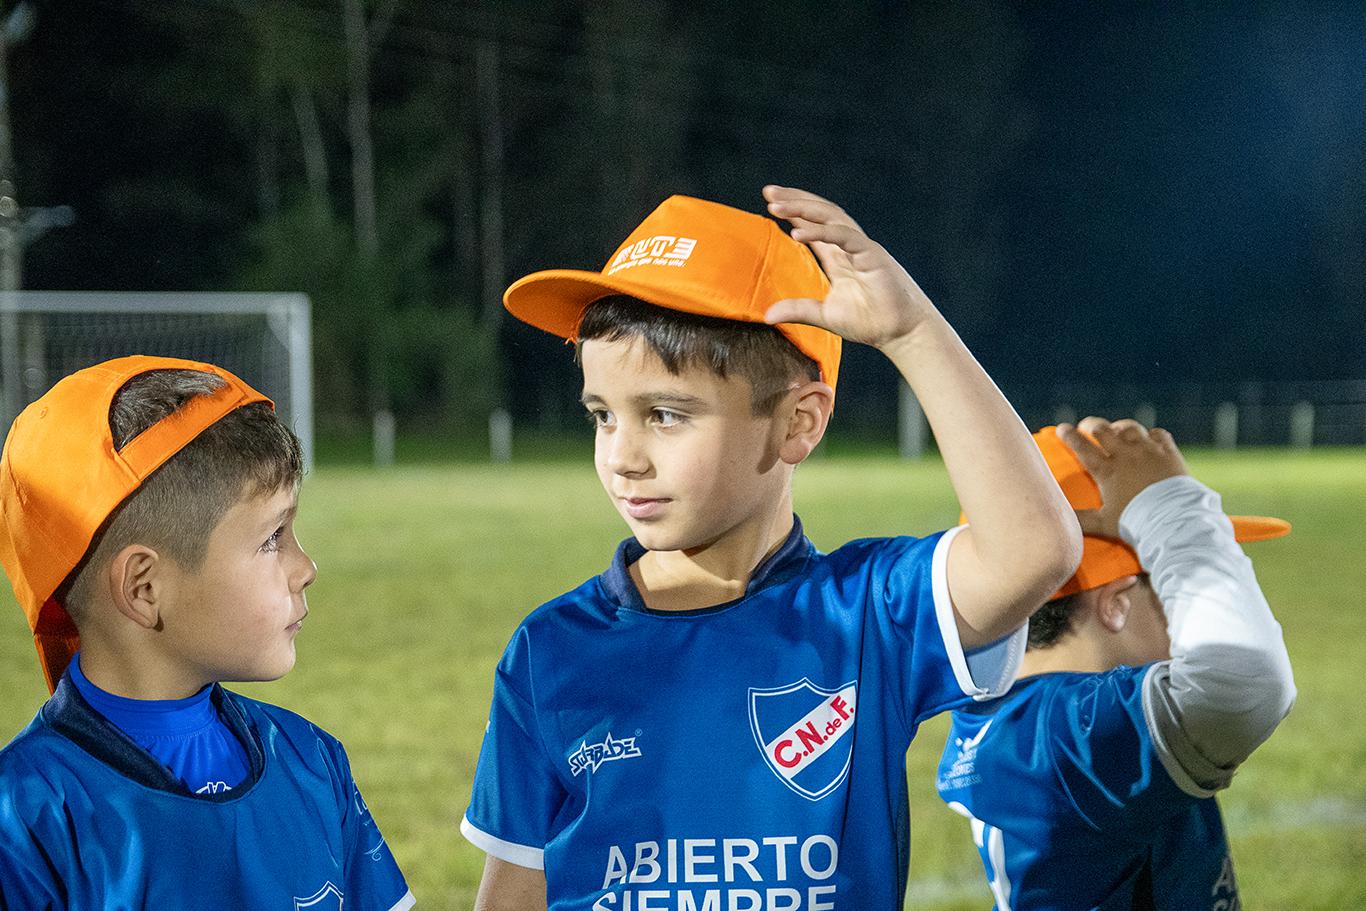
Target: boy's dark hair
249,451
1052,621
758,353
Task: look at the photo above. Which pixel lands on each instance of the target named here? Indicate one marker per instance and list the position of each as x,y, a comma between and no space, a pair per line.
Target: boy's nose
305,573
626,453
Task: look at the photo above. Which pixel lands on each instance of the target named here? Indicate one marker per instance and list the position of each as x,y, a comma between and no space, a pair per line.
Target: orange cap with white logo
1106,559
61,478
697,257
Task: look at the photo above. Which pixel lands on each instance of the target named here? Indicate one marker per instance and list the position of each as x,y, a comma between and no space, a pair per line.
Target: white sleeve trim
404,903
998,662
513,853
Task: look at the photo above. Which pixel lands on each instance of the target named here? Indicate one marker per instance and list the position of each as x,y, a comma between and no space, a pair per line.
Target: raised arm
1229,682
1023,541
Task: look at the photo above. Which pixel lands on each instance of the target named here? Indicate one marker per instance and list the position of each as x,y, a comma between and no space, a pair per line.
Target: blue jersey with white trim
88,819
746,756
1071,806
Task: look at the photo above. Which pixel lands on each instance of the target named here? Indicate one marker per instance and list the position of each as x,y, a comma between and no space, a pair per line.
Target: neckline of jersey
67,714
159,718
621,589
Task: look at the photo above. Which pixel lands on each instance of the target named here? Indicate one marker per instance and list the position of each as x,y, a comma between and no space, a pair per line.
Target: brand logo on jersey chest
803,732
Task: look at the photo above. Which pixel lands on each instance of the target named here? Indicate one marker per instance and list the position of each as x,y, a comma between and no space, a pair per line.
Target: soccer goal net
263,338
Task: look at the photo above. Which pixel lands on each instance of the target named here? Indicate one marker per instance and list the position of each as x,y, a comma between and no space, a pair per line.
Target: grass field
425,571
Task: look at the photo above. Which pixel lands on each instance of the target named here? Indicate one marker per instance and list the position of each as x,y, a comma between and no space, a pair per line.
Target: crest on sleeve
803,732
328,898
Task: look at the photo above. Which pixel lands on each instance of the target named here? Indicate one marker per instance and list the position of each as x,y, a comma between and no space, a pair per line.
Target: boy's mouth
644,507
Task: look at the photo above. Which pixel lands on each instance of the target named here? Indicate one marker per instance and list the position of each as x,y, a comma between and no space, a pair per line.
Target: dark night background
1110,195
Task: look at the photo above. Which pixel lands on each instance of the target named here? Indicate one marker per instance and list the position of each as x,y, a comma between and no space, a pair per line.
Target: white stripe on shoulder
404,903
513,853
998,662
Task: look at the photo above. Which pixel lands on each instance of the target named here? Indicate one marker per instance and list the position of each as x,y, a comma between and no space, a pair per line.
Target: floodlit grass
425,571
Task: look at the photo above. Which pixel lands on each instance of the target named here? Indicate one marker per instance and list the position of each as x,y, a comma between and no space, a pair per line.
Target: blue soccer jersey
88,819
1071,805
737,758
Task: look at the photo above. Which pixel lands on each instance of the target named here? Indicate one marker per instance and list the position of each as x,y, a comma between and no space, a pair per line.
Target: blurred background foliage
1170,194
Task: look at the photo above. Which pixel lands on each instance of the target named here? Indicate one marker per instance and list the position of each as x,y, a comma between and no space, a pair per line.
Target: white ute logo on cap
660,250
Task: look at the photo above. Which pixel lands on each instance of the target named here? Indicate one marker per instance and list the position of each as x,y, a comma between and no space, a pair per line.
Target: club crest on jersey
328,898
803,731
590,756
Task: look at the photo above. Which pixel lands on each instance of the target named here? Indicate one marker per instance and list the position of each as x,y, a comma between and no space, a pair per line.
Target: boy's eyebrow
648,399
286,514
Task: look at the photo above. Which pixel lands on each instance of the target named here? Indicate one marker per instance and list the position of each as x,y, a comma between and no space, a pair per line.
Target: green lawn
424,572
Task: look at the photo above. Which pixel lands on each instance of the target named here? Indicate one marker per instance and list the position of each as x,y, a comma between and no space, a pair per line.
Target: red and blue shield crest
803,732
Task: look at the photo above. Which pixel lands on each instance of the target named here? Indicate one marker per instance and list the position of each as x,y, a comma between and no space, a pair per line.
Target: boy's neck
1075,655
697,578
145,678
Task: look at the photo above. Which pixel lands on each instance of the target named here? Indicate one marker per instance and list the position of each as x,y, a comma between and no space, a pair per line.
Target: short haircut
247,452
758,353
1052,621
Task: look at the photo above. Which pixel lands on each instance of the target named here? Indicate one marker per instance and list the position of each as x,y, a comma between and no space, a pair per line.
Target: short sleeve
29,871
1105,757
517,793
26,881
912,593
374,882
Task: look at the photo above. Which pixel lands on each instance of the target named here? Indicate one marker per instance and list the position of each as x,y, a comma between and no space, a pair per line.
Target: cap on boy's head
61,478
1106,559
698,257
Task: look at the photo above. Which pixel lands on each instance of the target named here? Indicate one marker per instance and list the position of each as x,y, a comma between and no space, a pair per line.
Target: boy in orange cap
1149,678
148,530
720,720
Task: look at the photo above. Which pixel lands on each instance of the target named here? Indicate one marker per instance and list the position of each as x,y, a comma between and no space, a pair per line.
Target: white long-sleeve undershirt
1228,683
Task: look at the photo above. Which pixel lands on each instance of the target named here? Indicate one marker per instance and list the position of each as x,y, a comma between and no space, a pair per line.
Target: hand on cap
1124,457
871,300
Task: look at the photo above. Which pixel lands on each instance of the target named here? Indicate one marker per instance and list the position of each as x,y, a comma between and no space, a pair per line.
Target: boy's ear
135,581
810,415
1113,602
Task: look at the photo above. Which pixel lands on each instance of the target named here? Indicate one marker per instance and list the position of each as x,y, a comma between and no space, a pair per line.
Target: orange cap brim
57,641
697,257
555,299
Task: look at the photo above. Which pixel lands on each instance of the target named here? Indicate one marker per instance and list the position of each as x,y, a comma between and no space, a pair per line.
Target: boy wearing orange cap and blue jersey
720,720
1149,678
147,509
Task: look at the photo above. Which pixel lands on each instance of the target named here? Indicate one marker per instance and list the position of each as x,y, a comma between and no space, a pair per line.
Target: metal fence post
1226,426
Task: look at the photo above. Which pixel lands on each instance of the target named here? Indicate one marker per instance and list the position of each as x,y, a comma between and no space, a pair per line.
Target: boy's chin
653,536
653,539
264,672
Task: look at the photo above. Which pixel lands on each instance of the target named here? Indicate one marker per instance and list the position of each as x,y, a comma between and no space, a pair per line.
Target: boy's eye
600,417
273,542
666,418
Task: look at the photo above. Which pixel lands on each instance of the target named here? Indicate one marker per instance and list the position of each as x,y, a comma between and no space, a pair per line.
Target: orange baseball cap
697,257
1106,559
61,478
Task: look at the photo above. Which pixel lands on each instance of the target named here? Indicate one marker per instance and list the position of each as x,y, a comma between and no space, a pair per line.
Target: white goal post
264,338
